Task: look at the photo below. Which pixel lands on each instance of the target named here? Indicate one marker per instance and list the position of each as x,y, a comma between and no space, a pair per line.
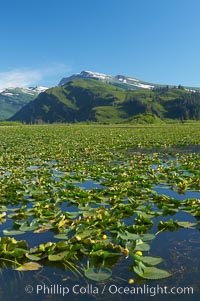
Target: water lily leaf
98,274
12,232
3,208
32,257
18,252
58,257
2,214
149,260
186,224
152,273
62,245
144,215
128,236
29,227
29,266
72,215
131,245
142,247
88,213
61,236
84,234
147,236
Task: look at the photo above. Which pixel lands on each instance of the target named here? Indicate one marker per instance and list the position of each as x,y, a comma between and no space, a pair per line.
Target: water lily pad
152,273
128,236
12,232
98,274
149,260
61,236
142,247
186,224
29,227
17,252
148,236
32,257
2,214
58,257
29,266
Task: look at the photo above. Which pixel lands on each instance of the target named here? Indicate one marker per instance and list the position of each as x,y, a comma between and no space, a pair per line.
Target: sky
42,41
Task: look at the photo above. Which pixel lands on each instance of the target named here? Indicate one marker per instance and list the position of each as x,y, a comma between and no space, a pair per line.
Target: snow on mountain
15,91
128,82
38,89
144,86
97,75
13,99
7,93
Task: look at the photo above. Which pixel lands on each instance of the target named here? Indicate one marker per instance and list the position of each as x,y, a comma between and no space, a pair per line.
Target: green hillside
12,100
92,100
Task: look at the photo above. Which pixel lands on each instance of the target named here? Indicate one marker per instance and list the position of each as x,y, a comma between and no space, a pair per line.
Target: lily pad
142,247
149,260
148,236
61,236
152,273
12,232
32,257
128,236
29,266
186,224
100,274
58,257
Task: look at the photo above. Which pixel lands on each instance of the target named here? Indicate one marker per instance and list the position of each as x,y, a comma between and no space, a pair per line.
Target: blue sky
45,40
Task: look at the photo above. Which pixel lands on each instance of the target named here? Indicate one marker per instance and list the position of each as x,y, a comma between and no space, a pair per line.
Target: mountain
118,80
91,99
122,81
13,99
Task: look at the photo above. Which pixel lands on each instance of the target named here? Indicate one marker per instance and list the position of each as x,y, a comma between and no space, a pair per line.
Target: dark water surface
180,250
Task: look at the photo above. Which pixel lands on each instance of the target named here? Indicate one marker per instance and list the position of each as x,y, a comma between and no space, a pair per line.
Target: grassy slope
92,100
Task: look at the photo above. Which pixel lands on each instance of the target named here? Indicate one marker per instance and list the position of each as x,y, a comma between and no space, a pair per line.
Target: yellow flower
139,253
131,281
104,236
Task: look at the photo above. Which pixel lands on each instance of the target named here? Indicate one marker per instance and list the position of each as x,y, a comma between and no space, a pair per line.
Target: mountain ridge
118,80
93,100
126,82
13,99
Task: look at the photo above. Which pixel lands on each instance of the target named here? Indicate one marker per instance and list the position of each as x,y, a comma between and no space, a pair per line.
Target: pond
179,248
100,223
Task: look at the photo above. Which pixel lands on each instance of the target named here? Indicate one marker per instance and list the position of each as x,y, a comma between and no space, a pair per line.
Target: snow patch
91,74
133,79
144,86
108,78
38,89
7,93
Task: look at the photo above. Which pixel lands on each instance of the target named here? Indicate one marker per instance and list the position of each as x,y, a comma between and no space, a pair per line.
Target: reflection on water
180,250
88,185
56,285
174,194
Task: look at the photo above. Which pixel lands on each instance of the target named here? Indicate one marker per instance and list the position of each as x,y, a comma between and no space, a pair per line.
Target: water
179,249
175,195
